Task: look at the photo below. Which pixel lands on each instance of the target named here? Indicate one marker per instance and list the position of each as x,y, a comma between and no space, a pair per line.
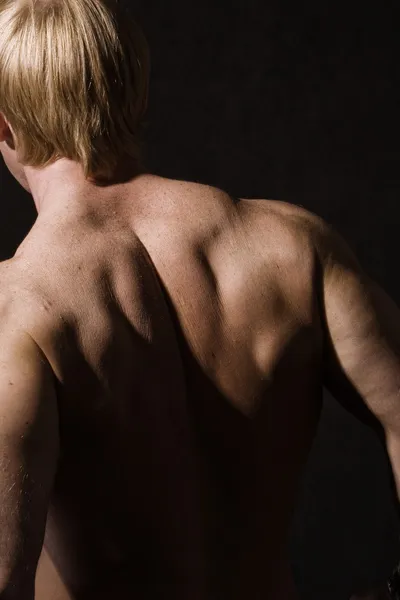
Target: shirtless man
163,345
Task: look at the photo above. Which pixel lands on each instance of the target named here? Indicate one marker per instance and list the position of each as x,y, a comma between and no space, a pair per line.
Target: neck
62,183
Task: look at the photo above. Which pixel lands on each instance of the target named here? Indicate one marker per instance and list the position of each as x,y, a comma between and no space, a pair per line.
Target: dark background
298,104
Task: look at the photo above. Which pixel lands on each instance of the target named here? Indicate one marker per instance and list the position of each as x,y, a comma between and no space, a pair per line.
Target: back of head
73,81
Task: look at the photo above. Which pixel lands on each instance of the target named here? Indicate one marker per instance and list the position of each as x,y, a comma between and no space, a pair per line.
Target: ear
6,134
3,128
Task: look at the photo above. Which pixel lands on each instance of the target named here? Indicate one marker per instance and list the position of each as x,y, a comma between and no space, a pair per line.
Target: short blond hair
73,81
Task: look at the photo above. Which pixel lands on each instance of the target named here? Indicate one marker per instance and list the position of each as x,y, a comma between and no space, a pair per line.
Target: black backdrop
299,104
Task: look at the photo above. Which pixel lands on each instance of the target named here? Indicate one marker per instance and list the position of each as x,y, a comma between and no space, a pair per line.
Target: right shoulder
302,230
286,233
329,248
306,256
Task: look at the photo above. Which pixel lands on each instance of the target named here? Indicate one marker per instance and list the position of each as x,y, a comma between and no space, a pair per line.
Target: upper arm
362,335
362,342
28,456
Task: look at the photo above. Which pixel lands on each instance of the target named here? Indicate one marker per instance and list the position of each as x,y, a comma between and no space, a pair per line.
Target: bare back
184,333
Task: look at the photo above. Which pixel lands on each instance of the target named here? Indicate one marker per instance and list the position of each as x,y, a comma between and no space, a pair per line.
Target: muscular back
183,329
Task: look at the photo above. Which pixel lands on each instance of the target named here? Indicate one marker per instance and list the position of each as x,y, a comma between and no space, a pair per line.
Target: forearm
12,589
14,595
392,451
389,589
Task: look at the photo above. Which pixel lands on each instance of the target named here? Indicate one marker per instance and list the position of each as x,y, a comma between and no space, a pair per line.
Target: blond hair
73,81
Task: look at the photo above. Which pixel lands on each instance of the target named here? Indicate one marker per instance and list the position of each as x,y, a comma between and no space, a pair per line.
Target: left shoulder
22,361
19,301
10,295
14,286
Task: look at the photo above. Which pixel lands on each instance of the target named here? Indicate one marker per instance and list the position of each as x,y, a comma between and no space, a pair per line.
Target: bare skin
164,348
